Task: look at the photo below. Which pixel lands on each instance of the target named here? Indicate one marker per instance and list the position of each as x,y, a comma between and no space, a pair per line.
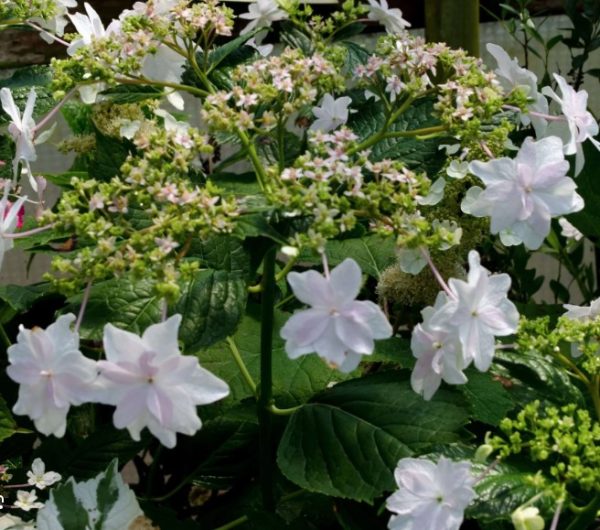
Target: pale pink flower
337,327
27,500
152,384
52,373
331,114
390,18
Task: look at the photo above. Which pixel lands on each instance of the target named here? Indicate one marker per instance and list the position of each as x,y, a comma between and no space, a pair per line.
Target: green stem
594,389
372,140
287,268
235,352
4,336
142,81
261,176
265,393
586,517
234,523
416,132
283,412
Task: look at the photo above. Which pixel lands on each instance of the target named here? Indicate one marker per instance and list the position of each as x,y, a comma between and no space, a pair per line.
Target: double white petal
524,193
337,327
431,496
331,114
262,13
390,18
152,384
22,127
52,373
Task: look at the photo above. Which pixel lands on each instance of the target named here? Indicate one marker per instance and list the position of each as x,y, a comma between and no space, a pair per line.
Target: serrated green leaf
126,304
347,441
212,305
356,56
418,155
222,252
21,297
395,350
489,402
110,154
373,253
293,381
71,514
8,426
219,56
121,94
20,83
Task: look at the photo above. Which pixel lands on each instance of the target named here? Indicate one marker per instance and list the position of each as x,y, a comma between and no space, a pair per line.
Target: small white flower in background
26,501
391,19
21,128
527,518
583,313
331,114
52,373
12,522
262,13
152,384
411,260
438,353
431,496
568,230
512,76
457,169
524,193
581,125
39,477
337,327
435,195
9,219
57,24
477,311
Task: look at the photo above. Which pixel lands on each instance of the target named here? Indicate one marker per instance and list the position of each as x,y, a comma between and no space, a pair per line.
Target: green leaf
232,47
292,36
489,402
222,252
293,381
71,514
121,94
499,494
541,374
373,253
255,225
418,155
587,220
357,55
21,297
8,426
395,350
238,184
124,303
110,155
7,153
22,81
212,305
348,440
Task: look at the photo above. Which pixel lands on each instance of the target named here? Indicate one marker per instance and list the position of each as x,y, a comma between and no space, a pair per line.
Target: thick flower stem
587,516
265,392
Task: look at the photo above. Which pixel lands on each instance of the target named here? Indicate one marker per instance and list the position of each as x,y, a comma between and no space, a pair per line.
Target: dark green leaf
348,440
21,297
8,426
109,157
489,402
395,350
220,54
222,252
107,493
7,153
419,155
72,515
212,305
121,94
357,55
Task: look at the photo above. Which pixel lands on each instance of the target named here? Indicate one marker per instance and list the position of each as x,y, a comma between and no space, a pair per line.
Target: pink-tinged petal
330,348
311,288
159,405
294,350
374,318
355,335
54,421
162,338
26,373
494,171
131,407
424,379
120,373
62,336
303,328
350,363
206,387
345,281
121,345
29,106
166,436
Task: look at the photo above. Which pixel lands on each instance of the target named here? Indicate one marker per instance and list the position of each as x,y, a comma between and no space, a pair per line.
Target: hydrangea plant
321,244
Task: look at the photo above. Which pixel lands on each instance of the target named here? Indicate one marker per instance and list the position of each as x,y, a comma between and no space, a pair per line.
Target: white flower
524,193
21,128
438,352
568,230
435,195
262,13
431,496
513,76
331,114
57,24
26,500
411,260
38,476
179,129
337,327
390,18
52,373
89,27
264,50
12,522
581,125
167,65
583,313
152,384
478,310
527,518
457,169
9,217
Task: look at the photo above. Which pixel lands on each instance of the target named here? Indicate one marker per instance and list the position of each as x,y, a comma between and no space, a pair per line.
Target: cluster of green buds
565,441
144,220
